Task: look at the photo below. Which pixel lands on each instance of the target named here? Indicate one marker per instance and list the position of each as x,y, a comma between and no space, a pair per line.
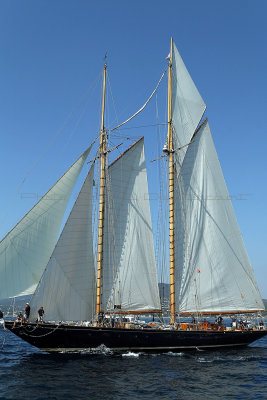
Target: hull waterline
53,337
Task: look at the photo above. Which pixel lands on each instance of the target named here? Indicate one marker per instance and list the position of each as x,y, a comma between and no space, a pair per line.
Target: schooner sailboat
86,305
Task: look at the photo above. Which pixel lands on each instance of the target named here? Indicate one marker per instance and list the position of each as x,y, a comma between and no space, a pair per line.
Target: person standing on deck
220,322
41,314
27,311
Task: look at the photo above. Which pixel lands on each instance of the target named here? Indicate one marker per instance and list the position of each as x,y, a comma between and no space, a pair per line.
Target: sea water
28,373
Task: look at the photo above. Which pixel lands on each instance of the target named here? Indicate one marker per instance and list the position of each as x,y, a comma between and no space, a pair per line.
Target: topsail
188,106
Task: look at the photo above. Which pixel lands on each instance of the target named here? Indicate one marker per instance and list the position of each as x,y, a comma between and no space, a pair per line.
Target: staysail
26,249
187,105
129,268
67,287
213,272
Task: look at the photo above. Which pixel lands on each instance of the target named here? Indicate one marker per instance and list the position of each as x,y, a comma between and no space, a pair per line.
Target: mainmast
103,153
171,188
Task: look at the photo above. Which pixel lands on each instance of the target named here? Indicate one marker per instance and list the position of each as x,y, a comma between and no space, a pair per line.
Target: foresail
187,104
213,272
26,249
129,268
67,288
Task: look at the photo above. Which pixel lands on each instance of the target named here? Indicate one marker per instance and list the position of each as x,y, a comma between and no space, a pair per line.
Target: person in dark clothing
41,314
27,311
100,317
19,319
2,321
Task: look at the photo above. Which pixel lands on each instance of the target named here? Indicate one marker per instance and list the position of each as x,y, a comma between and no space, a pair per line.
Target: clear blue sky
52,51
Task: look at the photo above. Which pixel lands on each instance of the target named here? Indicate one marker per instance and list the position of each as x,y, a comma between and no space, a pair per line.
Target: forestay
213,272
129,268
187,104
26,249
67,288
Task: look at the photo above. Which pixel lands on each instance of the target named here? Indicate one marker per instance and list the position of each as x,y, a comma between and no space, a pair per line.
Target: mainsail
129,268
67,288
187,105
26,249
213,272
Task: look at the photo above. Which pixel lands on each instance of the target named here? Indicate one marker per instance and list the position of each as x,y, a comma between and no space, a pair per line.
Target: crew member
41,314
27,311
19,319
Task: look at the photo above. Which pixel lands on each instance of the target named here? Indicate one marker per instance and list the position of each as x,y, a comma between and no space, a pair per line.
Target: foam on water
102,349
170,353
130,354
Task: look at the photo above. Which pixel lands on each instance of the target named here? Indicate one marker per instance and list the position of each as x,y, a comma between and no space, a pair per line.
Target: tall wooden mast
171,189
103,153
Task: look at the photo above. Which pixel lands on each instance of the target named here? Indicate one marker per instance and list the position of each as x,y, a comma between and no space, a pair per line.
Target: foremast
103,154
171,188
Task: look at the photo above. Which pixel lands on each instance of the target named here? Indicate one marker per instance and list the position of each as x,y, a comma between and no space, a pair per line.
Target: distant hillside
7,305
164,290
164,293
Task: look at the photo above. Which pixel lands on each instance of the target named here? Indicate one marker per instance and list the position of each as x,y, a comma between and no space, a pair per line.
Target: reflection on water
27,373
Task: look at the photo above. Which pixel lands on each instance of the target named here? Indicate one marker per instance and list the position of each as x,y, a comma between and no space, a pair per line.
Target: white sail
187,104
26,249
67,288
129,268
213,272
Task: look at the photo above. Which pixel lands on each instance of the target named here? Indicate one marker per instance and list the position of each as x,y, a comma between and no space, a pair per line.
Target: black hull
51,337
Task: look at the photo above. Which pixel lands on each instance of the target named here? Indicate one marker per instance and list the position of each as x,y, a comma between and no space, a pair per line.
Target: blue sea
28,373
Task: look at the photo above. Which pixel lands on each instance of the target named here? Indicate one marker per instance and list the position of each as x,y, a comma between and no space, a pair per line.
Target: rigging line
82,97
115,147
142,126
72,132
112,98
141,109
